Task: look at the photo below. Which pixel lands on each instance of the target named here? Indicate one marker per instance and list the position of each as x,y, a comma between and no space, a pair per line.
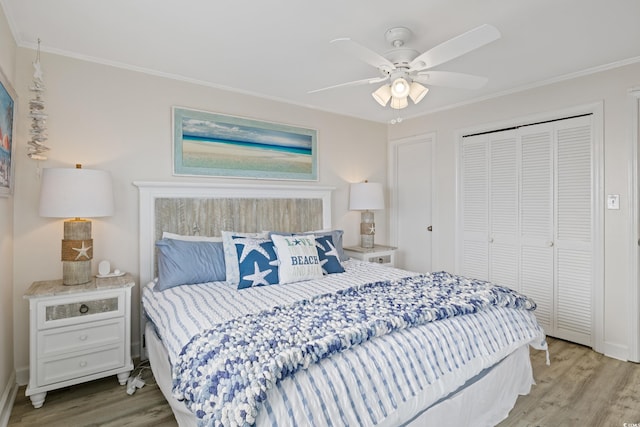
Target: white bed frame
485,401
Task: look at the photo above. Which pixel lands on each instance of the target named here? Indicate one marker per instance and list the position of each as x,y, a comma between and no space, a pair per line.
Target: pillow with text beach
298,258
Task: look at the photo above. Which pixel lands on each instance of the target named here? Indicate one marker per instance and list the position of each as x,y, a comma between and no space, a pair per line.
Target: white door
536,220
474,206
503,209
527,219
411,192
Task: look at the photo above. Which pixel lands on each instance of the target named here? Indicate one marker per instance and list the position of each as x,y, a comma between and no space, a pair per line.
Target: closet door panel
574,246
536,220
503,209
475,218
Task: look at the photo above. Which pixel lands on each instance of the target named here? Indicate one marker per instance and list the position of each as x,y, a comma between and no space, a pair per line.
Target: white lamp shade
399,103
417,92
76,193
366,196
382,95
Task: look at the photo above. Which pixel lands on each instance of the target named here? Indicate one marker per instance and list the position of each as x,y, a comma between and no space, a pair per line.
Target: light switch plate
613,201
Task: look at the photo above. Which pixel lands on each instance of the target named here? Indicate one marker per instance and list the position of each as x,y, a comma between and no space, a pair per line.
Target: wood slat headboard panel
208,217
177,207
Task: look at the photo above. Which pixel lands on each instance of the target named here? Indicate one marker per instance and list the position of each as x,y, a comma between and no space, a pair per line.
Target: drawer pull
83,363
83,337
84,308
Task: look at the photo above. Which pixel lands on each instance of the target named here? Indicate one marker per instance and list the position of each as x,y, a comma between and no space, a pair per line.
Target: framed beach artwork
228,146
7,126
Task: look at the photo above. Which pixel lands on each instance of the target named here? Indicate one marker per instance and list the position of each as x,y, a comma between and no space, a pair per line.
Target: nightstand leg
122,377
37,400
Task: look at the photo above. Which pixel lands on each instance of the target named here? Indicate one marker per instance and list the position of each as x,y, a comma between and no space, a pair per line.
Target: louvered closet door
527,209
475,225
573,231
503,209
536,220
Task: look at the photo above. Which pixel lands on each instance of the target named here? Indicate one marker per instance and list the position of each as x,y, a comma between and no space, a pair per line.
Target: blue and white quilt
225,373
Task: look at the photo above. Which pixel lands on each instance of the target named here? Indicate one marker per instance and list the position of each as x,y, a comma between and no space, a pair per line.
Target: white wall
119,120
609,87
7,64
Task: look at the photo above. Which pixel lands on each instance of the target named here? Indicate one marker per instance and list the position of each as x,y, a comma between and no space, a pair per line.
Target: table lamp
76,193
366,197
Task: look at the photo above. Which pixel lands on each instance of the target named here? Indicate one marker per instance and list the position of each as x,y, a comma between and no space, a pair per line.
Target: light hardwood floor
579,388
101,403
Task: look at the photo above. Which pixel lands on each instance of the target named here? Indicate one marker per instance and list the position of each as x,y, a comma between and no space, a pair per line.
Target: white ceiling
279,49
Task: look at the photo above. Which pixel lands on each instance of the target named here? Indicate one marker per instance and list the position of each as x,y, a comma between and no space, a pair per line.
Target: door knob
430,228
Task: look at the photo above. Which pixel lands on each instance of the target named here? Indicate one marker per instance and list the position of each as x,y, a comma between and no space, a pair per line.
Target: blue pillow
328,254
182,262
336,236
257,262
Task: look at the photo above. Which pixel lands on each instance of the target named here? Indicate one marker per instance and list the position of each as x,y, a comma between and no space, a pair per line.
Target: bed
346,346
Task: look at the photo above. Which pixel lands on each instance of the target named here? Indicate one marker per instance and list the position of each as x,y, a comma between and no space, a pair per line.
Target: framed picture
7,125
227,146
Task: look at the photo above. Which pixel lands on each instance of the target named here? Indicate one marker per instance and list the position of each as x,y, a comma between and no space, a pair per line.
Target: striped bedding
381,382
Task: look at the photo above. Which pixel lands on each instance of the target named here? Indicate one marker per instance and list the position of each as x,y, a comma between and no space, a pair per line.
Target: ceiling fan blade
455,47
450,79
365,54
354,83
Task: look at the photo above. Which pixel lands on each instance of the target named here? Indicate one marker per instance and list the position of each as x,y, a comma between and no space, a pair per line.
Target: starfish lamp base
367,229
77,252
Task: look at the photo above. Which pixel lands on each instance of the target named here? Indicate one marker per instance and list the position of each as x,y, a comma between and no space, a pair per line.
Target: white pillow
167,235
298,258
230,254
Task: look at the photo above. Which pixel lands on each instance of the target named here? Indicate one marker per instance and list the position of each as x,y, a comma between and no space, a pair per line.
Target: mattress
389,380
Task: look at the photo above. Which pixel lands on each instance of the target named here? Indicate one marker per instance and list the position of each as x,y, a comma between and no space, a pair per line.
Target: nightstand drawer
383,259
80,337
59,369
379,254
80,309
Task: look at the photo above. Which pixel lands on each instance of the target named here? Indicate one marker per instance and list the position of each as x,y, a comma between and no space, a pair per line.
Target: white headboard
150,192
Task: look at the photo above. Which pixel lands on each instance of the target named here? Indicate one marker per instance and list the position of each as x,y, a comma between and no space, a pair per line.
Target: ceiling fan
407,70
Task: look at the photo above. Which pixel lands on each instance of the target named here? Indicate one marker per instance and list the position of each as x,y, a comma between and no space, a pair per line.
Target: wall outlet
613,201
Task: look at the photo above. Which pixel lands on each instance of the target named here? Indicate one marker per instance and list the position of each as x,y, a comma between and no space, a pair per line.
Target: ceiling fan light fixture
417,92
400,88
382,95
399,103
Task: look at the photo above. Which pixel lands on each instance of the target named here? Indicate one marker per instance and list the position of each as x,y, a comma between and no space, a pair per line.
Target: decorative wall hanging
220,145
7,124
37,149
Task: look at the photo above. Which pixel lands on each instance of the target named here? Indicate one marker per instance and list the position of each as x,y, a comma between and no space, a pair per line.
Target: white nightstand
78,333
380,254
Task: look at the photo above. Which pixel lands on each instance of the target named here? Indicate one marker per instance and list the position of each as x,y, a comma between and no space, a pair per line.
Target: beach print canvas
7,109
220,145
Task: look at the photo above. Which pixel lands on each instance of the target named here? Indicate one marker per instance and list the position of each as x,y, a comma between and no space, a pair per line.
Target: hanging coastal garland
37,149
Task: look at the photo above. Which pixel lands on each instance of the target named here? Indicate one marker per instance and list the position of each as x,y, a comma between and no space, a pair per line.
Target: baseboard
7,399
616,351
22,376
